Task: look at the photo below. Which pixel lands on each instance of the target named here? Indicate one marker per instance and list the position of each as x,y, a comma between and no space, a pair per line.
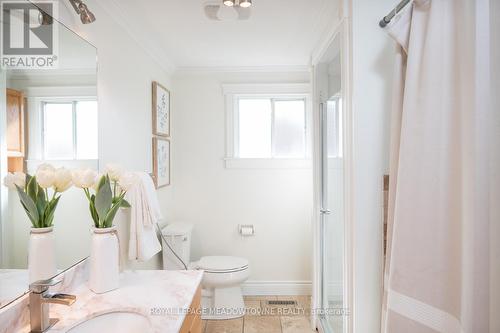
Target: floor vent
282,302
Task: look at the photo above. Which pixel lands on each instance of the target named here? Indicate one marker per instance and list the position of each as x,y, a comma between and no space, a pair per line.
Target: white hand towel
144,214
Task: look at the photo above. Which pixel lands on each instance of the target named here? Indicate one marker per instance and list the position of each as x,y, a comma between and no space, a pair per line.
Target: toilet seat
222,264
221,295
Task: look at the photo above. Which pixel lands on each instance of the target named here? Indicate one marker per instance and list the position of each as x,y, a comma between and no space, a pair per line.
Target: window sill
267,163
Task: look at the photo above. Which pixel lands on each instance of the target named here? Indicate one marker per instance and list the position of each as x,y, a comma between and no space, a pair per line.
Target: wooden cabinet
15,130
192,322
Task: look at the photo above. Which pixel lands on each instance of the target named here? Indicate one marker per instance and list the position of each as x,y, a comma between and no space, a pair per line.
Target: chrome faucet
40,299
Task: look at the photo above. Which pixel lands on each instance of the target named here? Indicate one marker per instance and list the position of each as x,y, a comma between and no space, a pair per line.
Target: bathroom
270,184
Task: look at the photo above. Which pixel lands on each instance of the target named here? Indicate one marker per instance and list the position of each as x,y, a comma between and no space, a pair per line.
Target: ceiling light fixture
86,16
245,3
225,13
240,3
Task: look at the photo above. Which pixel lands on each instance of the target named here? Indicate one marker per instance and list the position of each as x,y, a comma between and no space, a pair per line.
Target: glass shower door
332,215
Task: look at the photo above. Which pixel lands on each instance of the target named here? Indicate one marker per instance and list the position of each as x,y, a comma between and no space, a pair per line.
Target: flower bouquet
40,206
106,195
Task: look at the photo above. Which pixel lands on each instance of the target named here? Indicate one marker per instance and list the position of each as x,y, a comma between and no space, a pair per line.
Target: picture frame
161,162
161,110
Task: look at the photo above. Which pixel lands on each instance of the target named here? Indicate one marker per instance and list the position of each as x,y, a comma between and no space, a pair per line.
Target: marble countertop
13,283
162,296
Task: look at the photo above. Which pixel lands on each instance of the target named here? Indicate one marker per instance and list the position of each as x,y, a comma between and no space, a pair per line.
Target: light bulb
245,3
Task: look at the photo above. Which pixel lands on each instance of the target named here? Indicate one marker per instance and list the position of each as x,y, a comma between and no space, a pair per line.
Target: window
267,125
69,130
270,127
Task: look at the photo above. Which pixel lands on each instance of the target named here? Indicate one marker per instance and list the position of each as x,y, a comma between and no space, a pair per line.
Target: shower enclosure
331,306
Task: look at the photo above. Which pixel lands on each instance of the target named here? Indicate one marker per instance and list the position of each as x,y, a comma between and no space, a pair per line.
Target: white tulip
127,180
63,180
76,176
45,167
20,178
114,171
13,179
84,178
45,177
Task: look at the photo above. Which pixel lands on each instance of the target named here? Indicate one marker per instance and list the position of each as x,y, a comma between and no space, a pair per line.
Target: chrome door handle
325,211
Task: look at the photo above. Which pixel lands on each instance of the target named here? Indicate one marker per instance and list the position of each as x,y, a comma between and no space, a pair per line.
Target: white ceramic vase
41,254
104,260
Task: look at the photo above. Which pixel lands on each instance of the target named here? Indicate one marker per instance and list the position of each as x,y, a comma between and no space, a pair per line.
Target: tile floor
264,318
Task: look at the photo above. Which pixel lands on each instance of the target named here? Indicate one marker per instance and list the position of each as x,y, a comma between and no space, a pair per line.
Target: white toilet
222,278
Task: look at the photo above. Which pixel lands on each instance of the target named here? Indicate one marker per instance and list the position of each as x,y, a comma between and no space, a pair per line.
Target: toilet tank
178,236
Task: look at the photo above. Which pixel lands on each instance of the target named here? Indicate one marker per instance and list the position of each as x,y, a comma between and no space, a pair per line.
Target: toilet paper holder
246,230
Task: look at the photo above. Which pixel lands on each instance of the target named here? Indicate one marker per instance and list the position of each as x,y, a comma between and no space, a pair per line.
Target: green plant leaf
50,211
103,200
33,222
32,189
29,206
102,180
108,221
27,181
41,203
93,212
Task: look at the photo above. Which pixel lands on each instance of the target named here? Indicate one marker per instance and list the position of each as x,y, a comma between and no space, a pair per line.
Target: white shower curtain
443,196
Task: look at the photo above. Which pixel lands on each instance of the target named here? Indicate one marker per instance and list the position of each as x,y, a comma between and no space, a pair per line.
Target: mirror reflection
49,119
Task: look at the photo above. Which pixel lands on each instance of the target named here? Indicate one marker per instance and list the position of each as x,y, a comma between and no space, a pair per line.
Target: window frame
62,100
273,99
234,92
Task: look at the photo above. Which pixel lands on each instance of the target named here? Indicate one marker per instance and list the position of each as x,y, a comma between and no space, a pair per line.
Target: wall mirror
47,115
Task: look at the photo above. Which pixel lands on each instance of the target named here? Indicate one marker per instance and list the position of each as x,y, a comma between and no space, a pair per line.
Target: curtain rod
385,21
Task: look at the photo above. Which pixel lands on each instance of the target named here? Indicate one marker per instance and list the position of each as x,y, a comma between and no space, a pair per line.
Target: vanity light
44,18
245,3
86,16
229,3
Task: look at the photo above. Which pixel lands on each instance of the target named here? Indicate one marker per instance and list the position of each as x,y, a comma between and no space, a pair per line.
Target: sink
120,321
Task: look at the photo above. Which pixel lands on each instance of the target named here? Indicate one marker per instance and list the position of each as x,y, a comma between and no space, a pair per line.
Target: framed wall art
161,110
161,162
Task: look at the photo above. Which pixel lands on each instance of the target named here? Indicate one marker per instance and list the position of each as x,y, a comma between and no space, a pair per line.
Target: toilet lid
222,263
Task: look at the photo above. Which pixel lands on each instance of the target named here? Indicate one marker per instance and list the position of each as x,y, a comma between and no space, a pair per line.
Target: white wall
215,199
372,66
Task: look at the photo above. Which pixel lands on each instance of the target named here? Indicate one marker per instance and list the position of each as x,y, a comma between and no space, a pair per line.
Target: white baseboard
256,288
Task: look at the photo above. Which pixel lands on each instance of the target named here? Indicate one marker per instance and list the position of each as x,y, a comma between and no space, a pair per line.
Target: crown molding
326,36
327,39
199,70
138,34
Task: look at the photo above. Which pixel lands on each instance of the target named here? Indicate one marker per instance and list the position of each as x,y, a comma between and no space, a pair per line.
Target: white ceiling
278,33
